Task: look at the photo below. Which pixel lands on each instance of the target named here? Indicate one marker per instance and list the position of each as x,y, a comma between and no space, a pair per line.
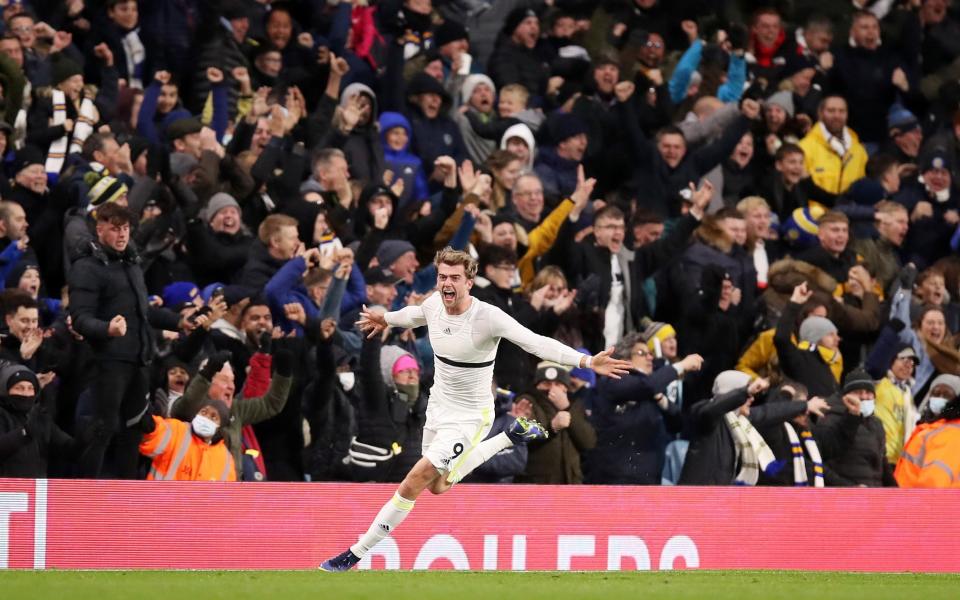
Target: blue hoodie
403,163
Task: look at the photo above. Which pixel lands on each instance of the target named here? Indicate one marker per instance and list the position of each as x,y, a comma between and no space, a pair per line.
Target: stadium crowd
753,202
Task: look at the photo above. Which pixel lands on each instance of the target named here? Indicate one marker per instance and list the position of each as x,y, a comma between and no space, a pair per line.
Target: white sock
389,518
483,452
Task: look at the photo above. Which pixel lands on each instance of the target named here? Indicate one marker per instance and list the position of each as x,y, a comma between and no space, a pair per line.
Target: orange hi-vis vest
931,459
181,456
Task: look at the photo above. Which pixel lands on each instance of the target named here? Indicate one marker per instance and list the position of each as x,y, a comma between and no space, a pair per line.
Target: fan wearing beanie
28,434
194,451
861,460
816,361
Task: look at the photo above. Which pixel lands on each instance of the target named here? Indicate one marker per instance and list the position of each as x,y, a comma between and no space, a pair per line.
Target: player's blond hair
449,256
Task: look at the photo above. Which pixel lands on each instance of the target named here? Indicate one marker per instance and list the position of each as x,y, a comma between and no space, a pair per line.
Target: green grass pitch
450,585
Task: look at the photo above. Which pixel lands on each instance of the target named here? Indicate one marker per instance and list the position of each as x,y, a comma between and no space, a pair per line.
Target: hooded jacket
363,145
405,164
25,449
523,132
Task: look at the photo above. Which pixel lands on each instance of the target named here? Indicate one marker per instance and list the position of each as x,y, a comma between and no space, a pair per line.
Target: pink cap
403,363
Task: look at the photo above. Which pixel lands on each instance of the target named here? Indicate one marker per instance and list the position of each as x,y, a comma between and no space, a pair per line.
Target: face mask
203,426
347,380
937,404
942,195
409,392
867,407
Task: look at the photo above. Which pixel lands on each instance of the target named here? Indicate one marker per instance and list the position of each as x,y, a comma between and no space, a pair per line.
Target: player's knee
440,486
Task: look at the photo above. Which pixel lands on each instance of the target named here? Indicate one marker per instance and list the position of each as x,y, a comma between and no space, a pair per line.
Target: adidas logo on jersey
447,331
384,527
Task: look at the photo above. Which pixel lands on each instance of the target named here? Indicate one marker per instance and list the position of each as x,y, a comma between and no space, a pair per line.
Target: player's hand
371,322
605,364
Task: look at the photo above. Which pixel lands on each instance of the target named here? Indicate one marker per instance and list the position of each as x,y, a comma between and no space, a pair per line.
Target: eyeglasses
644,353
657,45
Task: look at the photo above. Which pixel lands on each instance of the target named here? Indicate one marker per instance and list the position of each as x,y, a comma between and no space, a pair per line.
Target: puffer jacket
830,171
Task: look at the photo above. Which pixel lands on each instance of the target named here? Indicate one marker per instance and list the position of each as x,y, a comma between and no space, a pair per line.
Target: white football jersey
465,347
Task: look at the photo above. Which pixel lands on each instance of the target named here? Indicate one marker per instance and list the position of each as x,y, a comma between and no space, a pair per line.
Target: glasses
643,353
657,45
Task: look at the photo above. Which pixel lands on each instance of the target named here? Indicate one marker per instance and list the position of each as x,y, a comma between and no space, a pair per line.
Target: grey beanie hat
783,99
727,381
813,329
216,203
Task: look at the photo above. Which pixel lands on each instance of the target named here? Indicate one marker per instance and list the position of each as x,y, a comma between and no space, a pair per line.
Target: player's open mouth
448,294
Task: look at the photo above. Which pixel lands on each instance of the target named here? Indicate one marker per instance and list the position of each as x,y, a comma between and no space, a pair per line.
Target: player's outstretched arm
603,363
371,321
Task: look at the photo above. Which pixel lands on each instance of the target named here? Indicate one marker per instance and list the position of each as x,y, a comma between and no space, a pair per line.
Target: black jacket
860,459
805,366
104,284
712,459
25,455
260,267
656,184
216,256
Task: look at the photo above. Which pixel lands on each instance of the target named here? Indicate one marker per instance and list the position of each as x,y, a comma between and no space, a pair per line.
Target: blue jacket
404,163
690,62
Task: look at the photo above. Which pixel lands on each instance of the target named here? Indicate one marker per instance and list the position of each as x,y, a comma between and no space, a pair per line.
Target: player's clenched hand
371,321
605,364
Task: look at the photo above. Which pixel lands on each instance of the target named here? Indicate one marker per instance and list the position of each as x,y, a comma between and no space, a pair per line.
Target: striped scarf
799,464
68,144
754,453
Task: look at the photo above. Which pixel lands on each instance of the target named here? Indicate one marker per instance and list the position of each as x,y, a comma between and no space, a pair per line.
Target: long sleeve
148,109
333,299
787,352
680,80
255,410
710,410
408,317
504,326
11,441
188,405
732,89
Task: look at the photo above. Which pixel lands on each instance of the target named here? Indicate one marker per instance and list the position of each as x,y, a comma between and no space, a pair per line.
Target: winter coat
829,171
405,164
260,266
216,256
712,458
657,185
556,460
863,77
835,266
243,411
513,63
433,138
363,146
558,175
385,418
804,365
631,429
862,460
104,284
24,454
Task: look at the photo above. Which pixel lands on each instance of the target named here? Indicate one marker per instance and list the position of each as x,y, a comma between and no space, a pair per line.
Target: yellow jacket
931,459
541,239
895,410
760,359
829,171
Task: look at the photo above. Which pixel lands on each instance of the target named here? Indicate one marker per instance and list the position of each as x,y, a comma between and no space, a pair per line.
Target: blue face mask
867,407
937,404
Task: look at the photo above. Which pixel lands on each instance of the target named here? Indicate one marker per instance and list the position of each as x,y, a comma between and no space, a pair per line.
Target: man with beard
833,154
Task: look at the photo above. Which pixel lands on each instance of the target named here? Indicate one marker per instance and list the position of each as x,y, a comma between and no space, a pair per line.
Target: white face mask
347,380
867,407
203,426
937,404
